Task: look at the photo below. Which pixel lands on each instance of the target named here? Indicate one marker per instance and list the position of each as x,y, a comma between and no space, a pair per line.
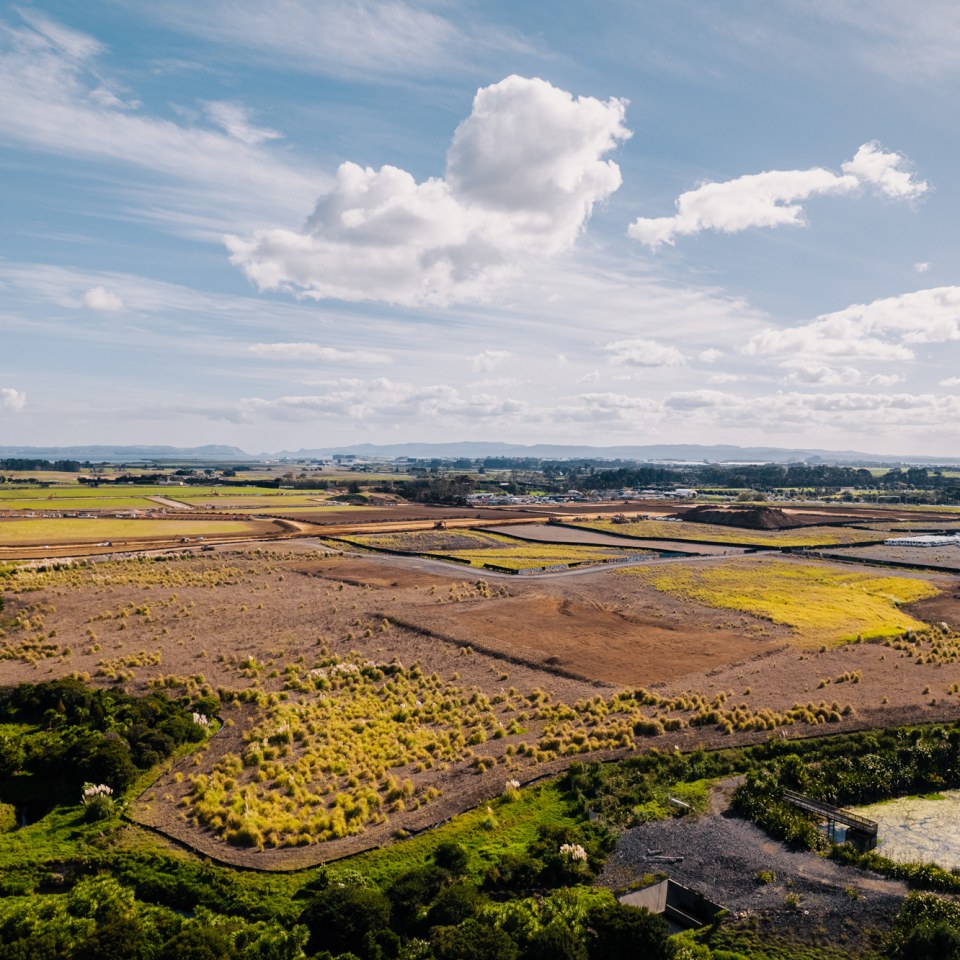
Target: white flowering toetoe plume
523,174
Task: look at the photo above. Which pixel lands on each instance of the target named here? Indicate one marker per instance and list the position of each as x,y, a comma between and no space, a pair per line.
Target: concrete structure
925,540
682,907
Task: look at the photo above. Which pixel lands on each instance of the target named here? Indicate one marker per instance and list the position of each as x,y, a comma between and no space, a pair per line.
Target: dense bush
83,735
926,927
873,767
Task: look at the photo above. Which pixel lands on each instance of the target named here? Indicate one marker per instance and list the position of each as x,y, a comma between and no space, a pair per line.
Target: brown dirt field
946,557
548,533
625,649
205,615
353,517
944,608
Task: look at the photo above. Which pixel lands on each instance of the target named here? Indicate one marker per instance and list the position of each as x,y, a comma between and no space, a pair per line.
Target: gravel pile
809,897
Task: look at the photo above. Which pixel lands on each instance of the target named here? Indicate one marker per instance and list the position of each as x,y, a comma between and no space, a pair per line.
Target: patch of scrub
919,829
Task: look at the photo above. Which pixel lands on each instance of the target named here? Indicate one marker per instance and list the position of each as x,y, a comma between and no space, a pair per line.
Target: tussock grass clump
341,756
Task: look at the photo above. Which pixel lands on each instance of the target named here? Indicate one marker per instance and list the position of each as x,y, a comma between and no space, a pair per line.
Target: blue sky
309,223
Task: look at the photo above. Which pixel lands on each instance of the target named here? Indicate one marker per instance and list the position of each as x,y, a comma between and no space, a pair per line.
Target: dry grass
69,530
822,604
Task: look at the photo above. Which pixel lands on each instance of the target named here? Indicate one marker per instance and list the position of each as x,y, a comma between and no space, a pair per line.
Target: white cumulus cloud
486,360
710,355
102,299
885,171
775,198
524,172
11,399
644,353
885,329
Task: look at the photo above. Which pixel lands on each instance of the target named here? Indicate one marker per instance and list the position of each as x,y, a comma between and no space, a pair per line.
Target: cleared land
480,548
551,533
680,530
363,696
946,557
820,603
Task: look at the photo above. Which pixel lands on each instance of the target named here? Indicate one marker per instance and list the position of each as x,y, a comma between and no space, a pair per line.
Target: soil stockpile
750,518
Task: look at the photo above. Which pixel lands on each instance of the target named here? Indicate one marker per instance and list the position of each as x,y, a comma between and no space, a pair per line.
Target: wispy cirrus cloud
315,351
775,198
56,97
236,120
367,40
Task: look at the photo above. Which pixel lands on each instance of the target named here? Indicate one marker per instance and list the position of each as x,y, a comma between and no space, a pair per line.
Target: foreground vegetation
512,879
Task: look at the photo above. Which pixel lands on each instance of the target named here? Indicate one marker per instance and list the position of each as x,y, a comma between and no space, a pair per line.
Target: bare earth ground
546,533
634,648
573,638
722,855
947,557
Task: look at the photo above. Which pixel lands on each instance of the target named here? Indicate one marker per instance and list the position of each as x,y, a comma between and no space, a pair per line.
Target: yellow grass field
822,604
80,503
69,530
801,537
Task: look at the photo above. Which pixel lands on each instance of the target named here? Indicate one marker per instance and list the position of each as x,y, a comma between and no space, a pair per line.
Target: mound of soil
750,518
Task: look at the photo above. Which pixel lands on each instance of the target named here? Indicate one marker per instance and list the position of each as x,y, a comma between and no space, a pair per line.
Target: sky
310,223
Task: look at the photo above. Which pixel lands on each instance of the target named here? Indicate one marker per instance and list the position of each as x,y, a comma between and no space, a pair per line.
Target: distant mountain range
718,453
120,454
723,453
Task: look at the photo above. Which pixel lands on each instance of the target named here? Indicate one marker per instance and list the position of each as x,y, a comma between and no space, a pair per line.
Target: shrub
340,918
8,817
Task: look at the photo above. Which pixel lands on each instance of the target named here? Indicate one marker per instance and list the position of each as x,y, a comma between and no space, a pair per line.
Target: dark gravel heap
810,898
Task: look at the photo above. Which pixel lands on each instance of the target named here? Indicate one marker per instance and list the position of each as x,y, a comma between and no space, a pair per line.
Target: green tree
339,919
618,932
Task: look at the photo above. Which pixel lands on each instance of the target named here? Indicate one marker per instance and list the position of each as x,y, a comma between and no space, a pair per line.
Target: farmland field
69,530
362,695
551,533
481,548
679,530
820,603
79,503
